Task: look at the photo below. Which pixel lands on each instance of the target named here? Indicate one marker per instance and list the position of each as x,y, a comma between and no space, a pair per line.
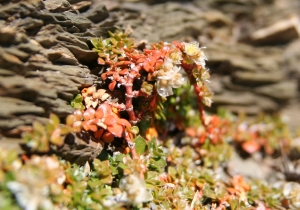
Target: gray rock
10,107
23,56
71,39
257,78
57,106
28,23
26,88
282,91
60,54
246,102
73,29
61,69
96,14
9,35
37,58
30,47
82,6
47,35
291,59
55,18
79,21
83,56
5,72
10,61
57,5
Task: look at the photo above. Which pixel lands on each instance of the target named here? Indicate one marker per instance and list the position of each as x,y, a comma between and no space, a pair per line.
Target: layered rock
45,58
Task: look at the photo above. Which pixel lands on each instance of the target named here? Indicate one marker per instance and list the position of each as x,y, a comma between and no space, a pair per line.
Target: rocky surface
45,59
46,56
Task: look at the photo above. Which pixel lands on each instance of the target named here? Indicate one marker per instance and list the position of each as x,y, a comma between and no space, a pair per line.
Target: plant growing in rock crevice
148,75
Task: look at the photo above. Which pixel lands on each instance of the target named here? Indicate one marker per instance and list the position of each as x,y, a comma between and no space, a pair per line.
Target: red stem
131,146
199,94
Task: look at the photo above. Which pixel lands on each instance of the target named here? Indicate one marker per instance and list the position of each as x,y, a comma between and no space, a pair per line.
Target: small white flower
195,53
176,56
168,78
163,88
134,189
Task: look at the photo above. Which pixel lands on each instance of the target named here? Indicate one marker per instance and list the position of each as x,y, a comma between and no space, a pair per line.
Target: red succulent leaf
85,125
251,146
103,110
215,121
159,63
146,66
116,129
103,76
153,103
124,71
109,73
108,137
152,60
98,133
101,61
110,119
123,122
112,85
202,138
140,60
93,127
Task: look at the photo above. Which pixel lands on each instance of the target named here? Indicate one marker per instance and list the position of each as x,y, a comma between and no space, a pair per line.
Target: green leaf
38,127
95,42
54,120
103,168
140,145
135,130
78,98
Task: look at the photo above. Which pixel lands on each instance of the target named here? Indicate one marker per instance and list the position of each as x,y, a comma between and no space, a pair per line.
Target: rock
79,21
72,39
28,23
57,5
81,6
282,91
23,56
20,9
58,69
55,18
10,61
279,32
96,14
84,56
5,72
217,18
47,35
10,107
57,106
257,78
291,59
60,54
9,35
26,88
246,102
30,47
37,58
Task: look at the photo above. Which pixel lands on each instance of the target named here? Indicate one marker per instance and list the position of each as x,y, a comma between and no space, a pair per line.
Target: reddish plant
147,75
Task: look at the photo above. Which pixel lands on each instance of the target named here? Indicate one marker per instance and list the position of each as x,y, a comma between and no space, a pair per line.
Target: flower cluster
168,77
